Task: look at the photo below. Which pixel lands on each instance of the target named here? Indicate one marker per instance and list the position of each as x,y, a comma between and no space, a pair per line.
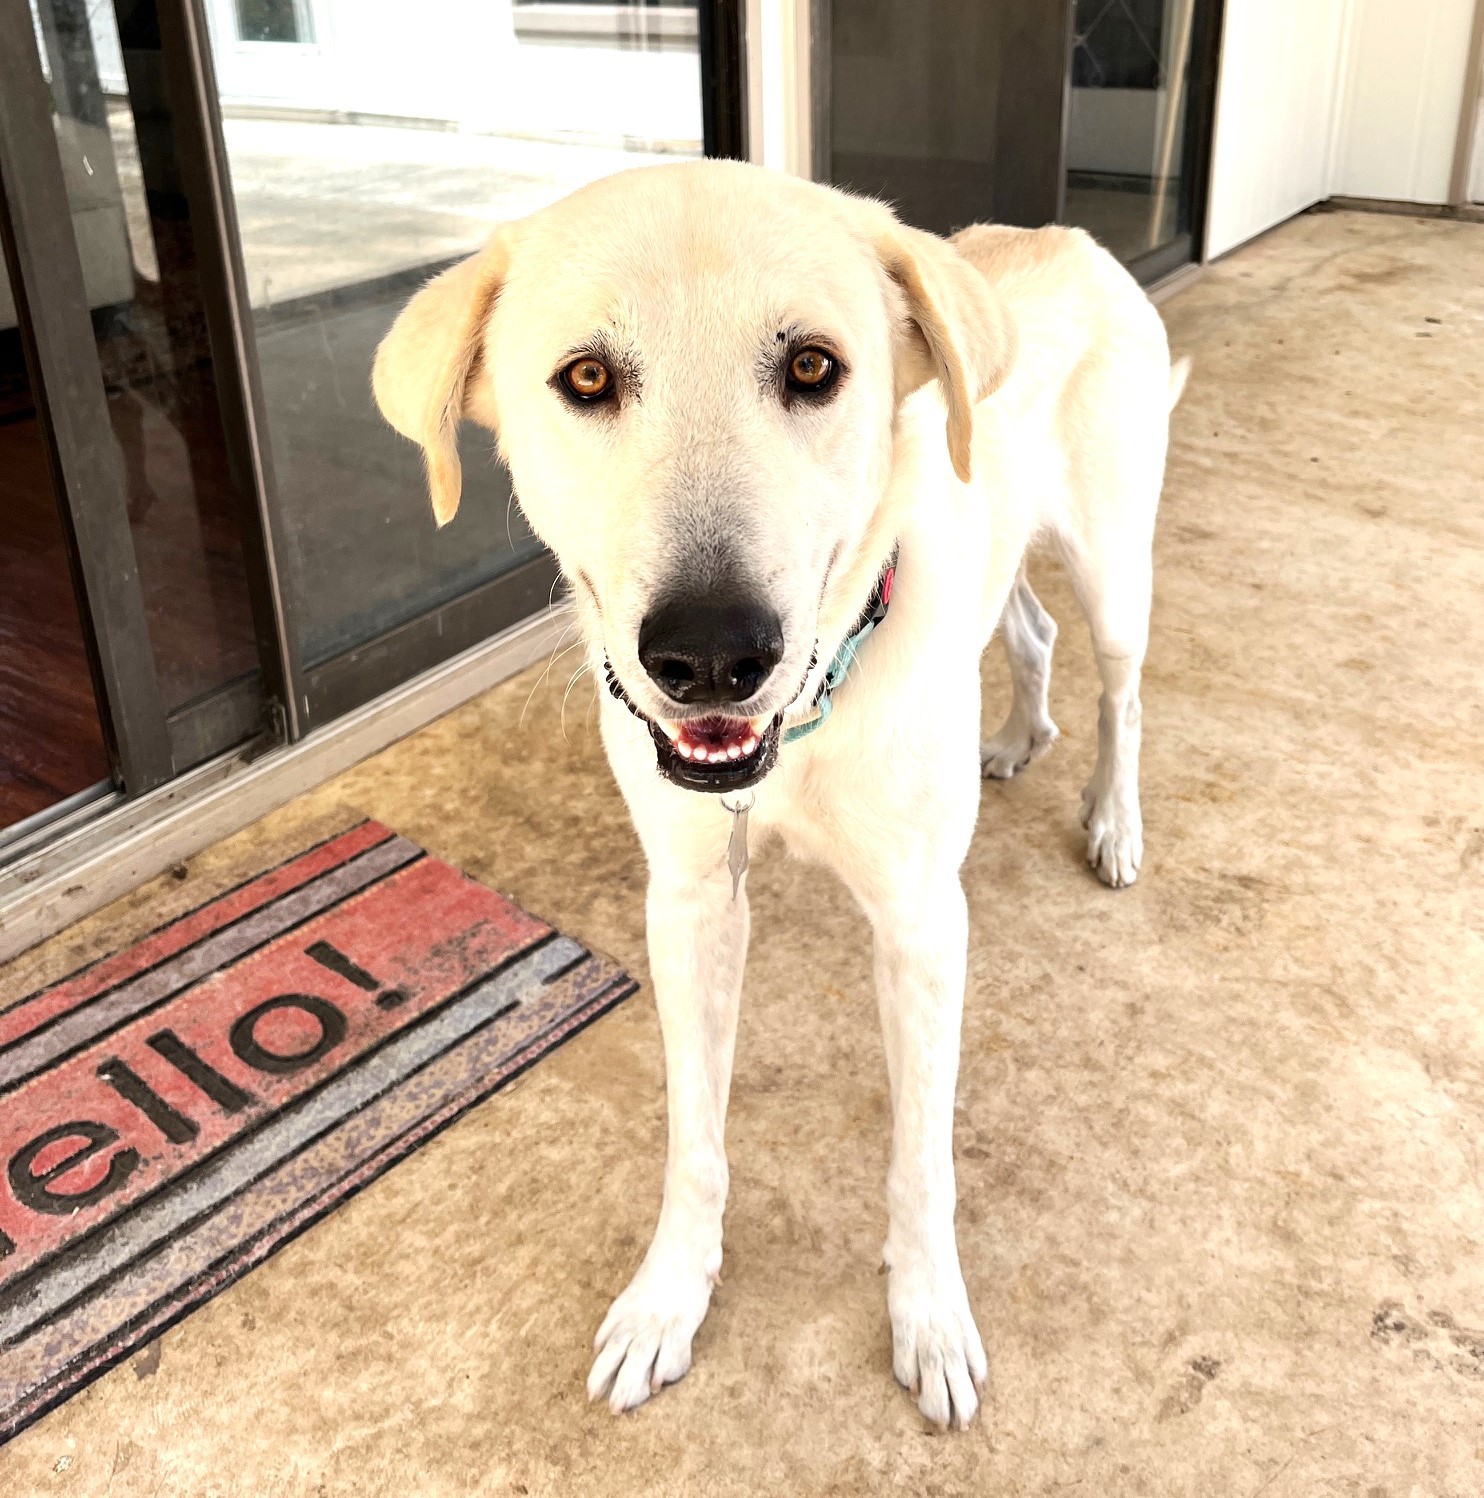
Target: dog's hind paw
644,1341
1115,839
1014,747
937,1353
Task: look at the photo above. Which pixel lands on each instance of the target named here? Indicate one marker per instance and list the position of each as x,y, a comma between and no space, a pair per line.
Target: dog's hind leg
1029,633
1114,592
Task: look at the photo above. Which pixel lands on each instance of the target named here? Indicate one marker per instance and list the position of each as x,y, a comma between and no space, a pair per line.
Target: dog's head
693,372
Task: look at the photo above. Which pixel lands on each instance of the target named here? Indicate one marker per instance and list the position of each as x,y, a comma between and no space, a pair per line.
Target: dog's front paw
644,1341
936,1351
1115,838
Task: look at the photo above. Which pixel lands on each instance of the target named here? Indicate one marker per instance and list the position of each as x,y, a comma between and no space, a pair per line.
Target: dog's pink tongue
712,740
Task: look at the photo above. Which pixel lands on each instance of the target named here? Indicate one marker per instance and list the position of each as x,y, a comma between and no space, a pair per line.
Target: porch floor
1220,1137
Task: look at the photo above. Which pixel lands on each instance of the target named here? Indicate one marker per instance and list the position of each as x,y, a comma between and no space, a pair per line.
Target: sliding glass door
212,210
112,378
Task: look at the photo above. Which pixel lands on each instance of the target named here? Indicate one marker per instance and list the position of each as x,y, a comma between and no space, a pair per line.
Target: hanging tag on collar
737,842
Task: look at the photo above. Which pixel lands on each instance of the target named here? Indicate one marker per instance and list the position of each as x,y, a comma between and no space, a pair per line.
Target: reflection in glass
914,107
274,21
51,743
133,235
360,167
1126,129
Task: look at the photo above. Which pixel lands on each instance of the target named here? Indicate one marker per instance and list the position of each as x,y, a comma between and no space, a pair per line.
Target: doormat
173,1114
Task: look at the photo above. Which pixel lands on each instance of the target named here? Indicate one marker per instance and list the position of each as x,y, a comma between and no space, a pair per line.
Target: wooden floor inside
51,744
183,524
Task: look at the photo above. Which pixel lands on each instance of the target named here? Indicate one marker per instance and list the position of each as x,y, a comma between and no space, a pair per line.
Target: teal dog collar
875,612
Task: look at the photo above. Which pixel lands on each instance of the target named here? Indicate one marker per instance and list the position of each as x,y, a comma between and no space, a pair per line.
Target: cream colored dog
729,400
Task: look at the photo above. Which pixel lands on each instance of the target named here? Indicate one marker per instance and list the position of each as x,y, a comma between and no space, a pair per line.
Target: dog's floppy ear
423,369
959,332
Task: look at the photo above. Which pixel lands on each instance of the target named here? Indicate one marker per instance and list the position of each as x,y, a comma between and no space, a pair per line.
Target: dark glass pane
952,116
273,21
1126,170
913,107
51,744
134,237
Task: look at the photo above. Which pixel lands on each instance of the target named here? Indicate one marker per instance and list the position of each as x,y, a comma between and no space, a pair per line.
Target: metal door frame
722,25
72,412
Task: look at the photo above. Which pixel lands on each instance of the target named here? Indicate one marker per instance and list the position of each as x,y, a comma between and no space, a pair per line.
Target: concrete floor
1221,1137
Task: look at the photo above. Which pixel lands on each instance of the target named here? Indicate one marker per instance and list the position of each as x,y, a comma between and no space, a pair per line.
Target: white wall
1324,98
1402,89
1275,109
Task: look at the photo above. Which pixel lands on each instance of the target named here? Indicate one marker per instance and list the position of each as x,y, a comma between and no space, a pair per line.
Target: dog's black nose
705,652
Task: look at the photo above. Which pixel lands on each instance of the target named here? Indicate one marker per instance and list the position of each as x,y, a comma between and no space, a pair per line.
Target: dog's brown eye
811,370
587,379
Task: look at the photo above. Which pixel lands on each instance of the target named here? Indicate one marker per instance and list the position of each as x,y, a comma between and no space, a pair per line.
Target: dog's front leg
921,953
697,948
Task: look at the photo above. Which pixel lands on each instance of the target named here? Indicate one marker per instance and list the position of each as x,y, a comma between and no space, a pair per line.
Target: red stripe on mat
33,1012
426,932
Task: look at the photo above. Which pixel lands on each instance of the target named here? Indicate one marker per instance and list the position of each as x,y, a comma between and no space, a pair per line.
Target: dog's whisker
577,676
557,652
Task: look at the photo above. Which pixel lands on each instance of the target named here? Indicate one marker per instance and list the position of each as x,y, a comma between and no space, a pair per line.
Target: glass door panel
1128,158
135,238
952,113
51,740
370,146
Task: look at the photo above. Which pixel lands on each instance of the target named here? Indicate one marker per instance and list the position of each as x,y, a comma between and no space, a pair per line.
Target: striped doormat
173,1114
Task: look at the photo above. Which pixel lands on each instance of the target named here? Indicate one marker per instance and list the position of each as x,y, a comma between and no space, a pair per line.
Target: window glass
361,167
135,240
1126,123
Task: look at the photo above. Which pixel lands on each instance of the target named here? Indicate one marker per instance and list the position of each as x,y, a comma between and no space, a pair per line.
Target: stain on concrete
1187,1393
1435,1340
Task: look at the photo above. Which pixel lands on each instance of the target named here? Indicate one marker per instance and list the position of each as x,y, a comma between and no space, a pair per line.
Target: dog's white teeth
739,741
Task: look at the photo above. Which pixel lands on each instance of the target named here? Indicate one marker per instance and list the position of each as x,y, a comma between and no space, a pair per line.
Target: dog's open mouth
717,753
714,753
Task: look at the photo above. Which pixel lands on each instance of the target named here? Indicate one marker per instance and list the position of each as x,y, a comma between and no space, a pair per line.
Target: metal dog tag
737,842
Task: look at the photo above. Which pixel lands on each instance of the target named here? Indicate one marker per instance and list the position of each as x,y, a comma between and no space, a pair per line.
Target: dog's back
1071,301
